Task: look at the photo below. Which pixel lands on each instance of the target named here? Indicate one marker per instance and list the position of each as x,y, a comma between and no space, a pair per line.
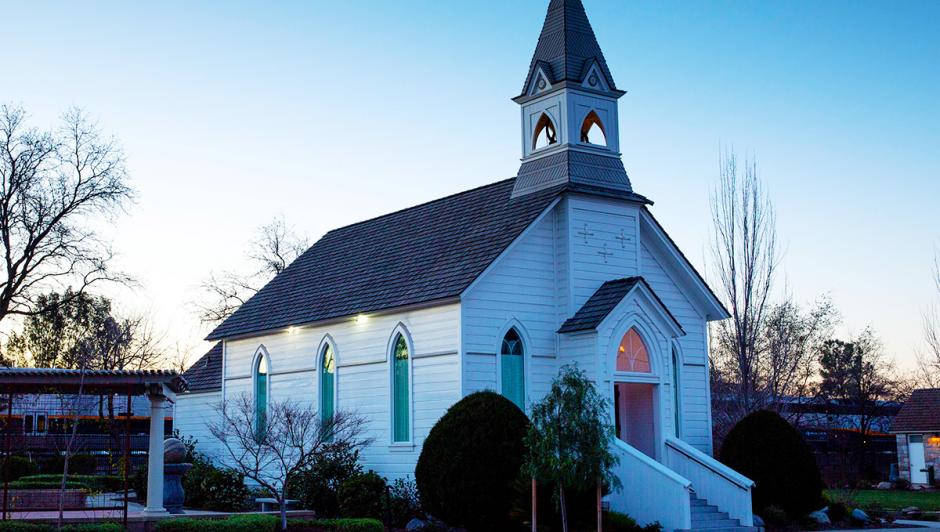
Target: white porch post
155,457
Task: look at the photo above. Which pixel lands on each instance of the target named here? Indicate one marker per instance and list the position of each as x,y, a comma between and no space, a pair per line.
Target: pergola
160,386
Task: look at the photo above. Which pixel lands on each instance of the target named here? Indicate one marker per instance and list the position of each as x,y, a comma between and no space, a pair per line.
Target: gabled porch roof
605,299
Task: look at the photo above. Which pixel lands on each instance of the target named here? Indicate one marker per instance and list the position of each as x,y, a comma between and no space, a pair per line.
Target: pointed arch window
512,364
327,384
632,355
677,394
592,130
545,134
401,393
261,393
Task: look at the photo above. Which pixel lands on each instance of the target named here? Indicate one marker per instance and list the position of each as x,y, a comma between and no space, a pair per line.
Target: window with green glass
512,364
261,394
327,385
401,403
675,389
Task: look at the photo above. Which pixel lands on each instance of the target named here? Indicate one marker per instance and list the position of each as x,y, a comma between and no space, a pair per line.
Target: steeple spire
567,45
570,130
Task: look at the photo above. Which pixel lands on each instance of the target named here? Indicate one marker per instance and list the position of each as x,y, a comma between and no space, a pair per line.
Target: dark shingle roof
603,301
567,44
426,253
206,374
921,413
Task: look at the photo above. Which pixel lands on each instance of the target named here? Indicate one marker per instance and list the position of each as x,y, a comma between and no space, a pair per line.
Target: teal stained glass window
512,363
327,385
675,388
401,404
261,394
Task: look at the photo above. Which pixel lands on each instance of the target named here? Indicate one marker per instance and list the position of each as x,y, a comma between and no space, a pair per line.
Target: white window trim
327,341
526,359
408,444
676,363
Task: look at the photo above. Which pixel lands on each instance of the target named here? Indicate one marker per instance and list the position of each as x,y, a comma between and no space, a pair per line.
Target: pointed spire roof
567,45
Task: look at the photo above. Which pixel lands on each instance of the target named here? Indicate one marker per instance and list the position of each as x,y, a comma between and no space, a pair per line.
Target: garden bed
44,499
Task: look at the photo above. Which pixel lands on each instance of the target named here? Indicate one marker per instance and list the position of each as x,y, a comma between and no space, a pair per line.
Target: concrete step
710,516
715,523
704,509
727,529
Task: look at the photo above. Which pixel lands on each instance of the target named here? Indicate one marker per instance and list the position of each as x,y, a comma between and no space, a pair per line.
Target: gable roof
921,413
604,300
430,252
206,374
567,45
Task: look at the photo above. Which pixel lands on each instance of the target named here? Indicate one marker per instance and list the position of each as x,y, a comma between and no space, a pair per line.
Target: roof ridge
431,202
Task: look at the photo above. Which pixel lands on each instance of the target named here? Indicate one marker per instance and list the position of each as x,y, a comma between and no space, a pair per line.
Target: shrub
618,522
206,487
837,511
15,467
362,496
264,523
316,488
902,484
769,451
79,464
774,515
403,503
470,462
47,485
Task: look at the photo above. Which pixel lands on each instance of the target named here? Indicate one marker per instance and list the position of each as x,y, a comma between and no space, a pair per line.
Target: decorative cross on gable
623,239
604,253
585,233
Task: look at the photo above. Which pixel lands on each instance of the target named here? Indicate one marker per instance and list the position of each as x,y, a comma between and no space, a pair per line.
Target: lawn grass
889,499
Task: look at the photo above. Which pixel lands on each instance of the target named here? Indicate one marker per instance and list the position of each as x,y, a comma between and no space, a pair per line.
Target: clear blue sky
333,112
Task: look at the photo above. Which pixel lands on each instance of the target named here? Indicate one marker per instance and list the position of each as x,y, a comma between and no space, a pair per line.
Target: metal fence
69,453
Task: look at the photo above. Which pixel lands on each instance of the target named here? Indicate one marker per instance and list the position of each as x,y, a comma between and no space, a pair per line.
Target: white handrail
649,487
713,481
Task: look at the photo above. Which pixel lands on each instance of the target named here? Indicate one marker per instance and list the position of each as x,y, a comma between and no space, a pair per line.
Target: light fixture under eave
292,330
361,318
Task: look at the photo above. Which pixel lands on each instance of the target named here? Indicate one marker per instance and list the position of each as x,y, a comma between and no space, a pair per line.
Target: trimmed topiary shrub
79,464
471,460
16,467
362,496
769,451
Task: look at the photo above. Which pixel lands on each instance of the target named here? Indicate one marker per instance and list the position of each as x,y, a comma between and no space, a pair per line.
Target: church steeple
570,130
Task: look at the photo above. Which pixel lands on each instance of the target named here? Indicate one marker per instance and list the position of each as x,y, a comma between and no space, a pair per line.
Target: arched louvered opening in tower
592,130
545,133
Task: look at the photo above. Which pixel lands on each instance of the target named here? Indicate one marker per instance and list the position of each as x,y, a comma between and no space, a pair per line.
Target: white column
155,458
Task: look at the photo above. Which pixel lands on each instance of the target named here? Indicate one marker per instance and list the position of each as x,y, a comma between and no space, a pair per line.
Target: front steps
708,517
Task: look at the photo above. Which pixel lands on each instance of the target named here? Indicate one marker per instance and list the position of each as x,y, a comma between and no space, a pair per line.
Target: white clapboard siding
192,414
696,428
362,377
518,290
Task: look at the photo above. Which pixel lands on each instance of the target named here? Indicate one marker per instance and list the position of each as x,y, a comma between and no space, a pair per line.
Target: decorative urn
174,452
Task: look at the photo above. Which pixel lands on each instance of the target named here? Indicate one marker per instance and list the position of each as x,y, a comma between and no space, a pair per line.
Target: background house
917,430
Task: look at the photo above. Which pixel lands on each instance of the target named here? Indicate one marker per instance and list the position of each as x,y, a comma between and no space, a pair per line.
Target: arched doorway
635,394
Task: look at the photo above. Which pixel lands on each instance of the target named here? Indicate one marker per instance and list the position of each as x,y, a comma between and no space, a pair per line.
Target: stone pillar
155,458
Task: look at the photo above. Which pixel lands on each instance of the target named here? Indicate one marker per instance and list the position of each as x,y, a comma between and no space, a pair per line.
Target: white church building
398,317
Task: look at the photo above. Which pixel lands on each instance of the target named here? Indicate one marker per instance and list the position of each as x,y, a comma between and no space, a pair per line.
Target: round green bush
769,451
363,495
468,469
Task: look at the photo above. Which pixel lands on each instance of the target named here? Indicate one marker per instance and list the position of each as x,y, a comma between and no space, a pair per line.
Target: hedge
16,467
47,485
20,526
94,482
259,523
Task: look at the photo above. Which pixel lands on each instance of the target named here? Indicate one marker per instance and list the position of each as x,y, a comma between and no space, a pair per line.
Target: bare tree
744,255
273,448
274,248
929,360
52,186
790,340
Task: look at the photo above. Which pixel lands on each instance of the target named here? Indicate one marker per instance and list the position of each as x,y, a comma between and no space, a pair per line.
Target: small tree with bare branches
274,248
929,360
278,446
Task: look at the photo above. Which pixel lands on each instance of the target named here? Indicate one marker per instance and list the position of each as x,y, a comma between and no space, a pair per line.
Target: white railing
713,481
651,491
